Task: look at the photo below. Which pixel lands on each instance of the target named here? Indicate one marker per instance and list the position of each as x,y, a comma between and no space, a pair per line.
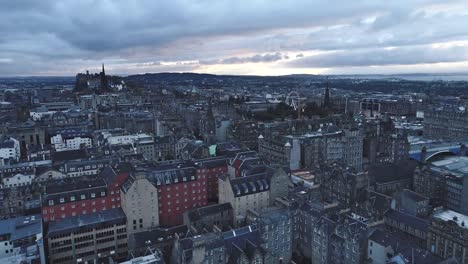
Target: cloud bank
52,37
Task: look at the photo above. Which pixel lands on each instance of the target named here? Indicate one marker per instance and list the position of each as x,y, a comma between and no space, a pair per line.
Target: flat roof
456,164
72,224
449,215
21,227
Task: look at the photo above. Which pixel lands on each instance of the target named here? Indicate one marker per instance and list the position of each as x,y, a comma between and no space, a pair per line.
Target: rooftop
73,224
449,215
455,164
21,227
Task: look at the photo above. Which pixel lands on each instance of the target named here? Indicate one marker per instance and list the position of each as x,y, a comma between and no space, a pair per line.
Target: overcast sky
268,37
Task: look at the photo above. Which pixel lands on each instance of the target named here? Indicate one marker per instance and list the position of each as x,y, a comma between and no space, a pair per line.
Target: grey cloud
147,64
41,36
381,57
252,59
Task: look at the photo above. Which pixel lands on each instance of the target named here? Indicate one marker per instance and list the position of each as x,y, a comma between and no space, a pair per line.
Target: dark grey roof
213,162
157,235
7,144
171,176
69,155
69,188
242,240
391,172
251,184
410,220
414,195
77,223
198,213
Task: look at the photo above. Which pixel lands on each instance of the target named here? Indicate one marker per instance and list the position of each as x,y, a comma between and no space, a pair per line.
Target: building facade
95,237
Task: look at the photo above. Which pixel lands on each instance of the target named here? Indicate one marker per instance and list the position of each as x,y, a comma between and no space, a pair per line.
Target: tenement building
446,123
311,149
448,235
244,193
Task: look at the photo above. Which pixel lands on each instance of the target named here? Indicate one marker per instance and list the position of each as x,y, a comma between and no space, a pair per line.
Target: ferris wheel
295,101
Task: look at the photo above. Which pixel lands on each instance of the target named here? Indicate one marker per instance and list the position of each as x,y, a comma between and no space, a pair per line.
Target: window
83,197
93,195
103,193
51,202
62,200
72,198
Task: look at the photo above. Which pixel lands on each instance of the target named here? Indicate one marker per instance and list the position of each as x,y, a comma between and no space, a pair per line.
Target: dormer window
72,198
51,202
62,200
83,197
103,194
93,195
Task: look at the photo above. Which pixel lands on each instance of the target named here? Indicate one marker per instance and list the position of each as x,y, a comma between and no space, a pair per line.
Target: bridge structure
429,150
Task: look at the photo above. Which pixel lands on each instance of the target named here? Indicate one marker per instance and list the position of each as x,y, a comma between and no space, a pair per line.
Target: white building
10,149
62,144
17,180
127,139
36,116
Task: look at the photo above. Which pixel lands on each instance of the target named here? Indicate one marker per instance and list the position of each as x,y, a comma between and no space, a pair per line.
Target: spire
104,82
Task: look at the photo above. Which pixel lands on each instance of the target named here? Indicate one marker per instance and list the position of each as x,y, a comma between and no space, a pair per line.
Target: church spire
104,82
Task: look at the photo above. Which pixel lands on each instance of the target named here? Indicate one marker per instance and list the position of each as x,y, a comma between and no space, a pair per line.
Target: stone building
341,184
311,149
210,218
448,235
276,228
139,198
244,193
204,248
446,123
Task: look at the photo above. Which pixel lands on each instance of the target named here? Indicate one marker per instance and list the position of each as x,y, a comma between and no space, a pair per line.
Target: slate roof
157,235
210,163
73,189
414,196
410,220
391,172
69,155
198,213
249,185
7,144
172,176
245,240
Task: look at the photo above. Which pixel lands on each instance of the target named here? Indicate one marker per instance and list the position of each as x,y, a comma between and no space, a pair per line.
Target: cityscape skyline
303,37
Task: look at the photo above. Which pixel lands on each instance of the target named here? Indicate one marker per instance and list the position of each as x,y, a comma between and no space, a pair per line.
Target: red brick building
179,189
210,169
74,197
